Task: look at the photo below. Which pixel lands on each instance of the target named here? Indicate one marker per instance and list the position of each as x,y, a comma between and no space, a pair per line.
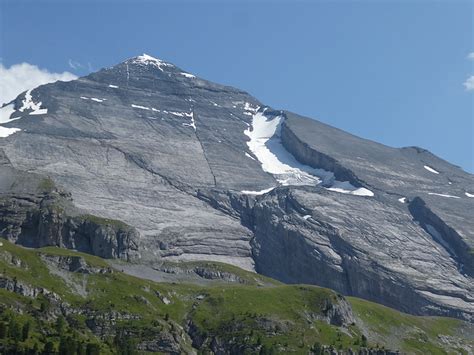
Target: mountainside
147,163
60,301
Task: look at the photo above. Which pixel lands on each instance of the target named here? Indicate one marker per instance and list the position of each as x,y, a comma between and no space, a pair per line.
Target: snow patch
41,111
97,100
403,200
442,195
193,122
146,59
430,169
249,107
93,99
306,217
265,143
140,107
249,156
5,132
261,192
187,75
29,104
468,194
346,187
6,112
113,86
180,114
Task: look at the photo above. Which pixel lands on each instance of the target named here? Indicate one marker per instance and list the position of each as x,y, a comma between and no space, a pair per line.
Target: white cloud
74,64
469,83
24,76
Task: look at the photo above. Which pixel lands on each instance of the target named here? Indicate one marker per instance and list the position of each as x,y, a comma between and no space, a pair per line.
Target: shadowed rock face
171,158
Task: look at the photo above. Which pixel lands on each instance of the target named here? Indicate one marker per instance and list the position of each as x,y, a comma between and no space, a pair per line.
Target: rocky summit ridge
148,163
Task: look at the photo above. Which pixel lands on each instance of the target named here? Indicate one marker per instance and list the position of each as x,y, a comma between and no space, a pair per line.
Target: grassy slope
277,315
411,333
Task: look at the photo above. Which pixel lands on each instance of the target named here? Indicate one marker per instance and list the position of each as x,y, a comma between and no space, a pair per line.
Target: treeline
22,334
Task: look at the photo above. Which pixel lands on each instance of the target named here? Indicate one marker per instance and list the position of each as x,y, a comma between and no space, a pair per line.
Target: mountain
148,163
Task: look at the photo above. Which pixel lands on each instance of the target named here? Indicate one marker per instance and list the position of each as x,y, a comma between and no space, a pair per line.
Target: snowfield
265,143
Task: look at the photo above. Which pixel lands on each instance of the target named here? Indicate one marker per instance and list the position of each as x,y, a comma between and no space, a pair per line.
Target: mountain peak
148,60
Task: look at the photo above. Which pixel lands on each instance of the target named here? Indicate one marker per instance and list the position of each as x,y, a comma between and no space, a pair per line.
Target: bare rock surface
144,161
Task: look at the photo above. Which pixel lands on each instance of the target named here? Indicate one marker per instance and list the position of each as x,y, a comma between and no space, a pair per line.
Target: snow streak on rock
430,169
95,99
193,122
261,192
442,195
187,75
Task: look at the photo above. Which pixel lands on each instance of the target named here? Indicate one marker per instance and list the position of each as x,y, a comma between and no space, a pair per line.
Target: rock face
34,213
157,164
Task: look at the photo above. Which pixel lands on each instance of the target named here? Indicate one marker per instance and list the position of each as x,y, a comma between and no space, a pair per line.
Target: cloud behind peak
24,76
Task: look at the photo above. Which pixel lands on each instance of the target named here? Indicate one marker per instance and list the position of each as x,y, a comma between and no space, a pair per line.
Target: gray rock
34,213
75,264
161,158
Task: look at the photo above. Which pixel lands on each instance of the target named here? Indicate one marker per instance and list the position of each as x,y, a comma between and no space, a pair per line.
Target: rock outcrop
37,214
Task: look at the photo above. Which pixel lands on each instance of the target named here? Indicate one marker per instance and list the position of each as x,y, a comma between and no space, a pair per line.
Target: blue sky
390,71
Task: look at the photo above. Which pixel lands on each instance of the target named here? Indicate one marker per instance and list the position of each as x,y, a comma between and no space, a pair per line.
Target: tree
92,349
81,348
26,330
67,346
317,349
3,330
60,325
35,349
49,348
268,350
14,330
363,341
44,306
